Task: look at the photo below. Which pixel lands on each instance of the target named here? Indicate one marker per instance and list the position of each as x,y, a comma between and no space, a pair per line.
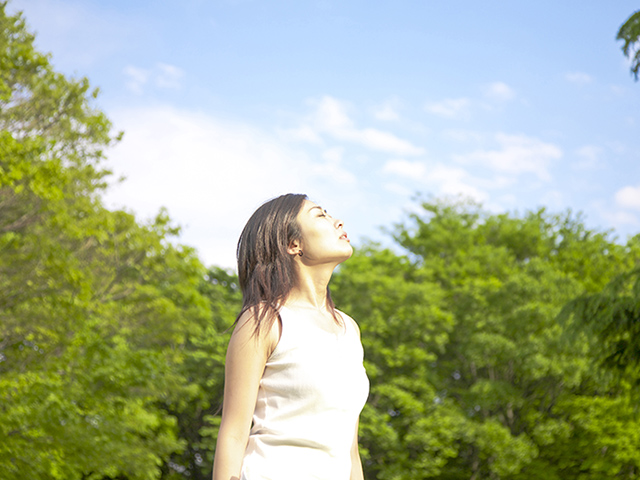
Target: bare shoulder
246,330
348,318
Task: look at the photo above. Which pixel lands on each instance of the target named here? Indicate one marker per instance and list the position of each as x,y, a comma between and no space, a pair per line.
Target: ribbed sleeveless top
311,393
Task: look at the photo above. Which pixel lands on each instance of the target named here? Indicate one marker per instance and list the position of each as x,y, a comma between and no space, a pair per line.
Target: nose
338,223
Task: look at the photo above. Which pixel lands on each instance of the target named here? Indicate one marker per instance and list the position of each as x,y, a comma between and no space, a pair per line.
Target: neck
311,290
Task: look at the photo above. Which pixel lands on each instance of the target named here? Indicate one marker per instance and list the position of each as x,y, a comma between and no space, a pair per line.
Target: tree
198,415
472,376
612,315
407,430
96,308
629,33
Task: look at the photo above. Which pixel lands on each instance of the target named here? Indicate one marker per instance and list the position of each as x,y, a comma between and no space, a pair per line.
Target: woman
294,379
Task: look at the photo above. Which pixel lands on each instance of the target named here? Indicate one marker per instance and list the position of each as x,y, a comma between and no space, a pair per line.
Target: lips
344,237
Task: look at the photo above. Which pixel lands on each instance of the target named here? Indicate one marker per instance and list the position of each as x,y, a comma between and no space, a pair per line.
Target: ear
294,248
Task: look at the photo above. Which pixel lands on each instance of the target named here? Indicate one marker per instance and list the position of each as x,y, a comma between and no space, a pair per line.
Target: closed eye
323,212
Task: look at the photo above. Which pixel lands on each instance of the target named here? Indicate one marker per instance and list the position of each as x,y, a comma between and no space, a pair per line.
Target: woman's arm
356,462
247,355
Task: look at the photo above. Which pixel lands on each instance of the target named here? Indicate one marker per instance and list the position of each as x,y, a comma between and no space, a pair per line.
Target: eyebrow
318,207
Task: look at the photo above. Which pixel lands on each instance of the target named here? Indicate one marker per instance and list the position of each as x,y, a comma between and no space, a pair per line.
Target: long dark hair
266,270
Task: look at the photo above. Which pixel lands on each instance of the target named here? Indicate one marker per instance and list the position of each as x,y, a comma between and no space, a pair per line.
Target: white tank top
311,393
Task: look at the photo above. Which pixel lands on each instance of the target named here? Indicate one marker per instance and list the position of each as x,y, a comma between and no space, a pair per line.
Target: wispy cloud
168,76
398,189
381,141
460,108
302,133
516,154
438,178
163,76
578,78
499,91
387,111
212,174
619,218
454,181
589,156
136,78
628,197
462,136
450,108
331,118
404,168
333,169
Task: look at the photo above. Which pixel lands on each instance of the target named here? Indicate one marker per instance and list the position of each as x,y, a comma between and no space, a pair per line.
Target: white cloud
579,78
168,76
620,219
454,181
460,108
589,155
397,189
516,154
499,91
303,133
501,203
628,197
331,115
462,135
210,174
439,178
381,141
163,76
136,78
333,155
331,118
404,168
461,189
335,173
333,169
554,199
387,112
450,108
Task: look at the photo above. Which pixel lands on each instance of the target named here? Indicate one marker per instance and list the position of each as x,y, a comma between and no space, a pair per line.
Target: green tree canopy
98,311
472,375
629,33
112,335
612,315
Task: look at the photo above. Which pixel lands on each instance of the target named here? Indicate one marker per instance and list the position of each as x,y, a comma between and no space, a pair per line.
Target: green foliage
112,336
629,33
199,416
97,311
612,315
93,356
403,328
472,374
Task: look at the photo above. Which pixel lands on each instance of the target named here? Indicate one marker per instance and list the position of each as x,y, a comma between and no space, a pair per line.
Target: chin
348,253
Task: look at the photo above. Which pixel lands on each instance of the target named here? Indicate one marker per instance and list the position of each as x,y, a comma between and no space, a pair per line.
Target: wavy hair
266,270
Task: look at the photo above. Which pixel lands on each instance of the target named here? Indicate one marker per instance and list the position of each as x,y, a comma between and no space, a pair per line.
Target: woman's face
323,238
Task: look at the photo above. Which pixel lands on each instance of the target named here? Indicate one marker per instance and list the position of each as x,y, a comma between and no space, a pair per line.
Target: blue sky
361,105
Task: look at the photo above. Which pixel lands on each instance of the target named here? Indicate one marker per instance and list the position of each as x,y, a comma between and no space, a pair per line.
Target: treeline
498,346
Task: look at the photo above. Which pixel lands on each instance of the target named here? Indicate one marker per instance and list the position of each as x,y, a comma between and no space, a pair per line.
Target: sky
365,106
